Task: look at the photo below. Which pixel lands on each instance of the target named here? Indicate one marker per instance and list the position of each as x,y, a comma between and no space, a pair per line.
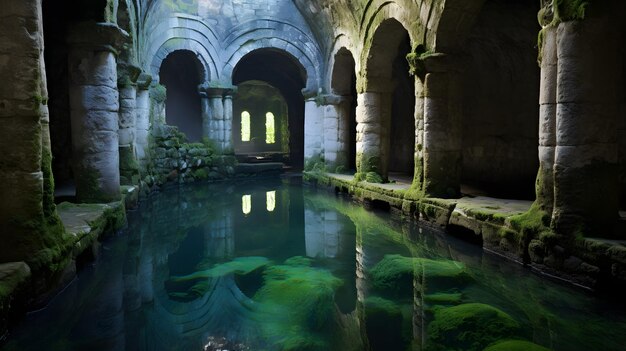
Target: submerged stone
298,305
469,327
515,345
394,274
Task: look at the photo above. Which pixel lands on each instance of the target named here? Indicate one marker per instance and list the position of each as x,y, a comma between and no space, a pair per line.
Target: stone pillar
27,212
336,131
94,107
142,124
369,134
418,175
228,121
547,121
442,134
313,126
205,107
216,102
585,171
127,86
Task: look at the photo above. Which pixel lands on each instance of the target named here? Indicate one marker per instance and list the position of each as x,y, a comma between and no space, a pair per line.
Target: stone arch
451,24
343,84
284,72
387,103
269,34
182,72
184,33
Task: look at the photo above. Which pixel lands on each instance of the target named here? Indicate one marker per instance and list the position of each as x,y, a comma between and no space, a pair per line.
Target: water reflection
199,268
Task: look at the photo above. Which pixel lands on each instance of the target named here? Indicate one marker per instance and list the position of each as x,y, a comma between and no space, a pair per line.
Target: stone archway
181,72
386,106
282,71
343,85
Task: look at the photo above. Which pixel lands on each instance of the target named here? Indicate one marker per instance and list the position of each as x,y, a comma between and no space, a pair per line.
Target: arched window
270,128
245,126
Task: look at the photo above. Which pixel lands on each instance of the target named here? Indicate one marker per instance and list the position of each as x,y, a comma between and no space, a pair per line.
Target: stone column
547,121
127,86
369,134
418,175
27,212
205,107
142,124
216,102
585,171
336,131
228,121
94,107
313,126
442,129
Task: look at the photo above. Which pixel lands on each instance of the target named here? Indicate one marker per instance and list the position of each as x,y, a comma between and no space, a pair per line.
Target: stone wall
175,160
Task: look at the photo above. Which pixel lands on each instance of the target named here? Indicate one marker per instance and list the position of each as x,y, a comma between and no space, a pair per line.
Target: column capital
434,63
144,80
333,99
96,36
127,74
309,94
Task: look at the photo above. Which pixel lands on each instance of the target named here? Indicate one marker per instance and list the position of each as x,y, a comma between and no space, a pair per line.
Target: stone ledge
591,263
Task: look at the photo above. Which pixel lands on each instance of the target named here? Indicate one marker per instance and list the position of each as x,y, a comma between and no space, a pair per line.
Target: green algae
298,307
240,265
469,327
515,345
394,274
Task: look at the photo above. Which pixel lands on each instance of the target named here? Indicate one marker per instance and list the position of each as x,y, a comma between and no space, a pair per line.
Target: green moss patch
469,327
515,345
240,265
297,302
394,274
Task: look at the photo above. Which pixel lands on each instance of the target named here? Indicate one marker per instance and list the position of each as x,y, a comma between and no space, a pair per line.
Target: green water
277,266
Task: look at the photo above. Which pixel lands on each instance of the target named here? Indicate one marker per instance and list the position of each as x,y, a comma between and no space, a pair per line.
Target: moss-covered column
547,120
442,133
31,230
418,175
313,126
205,107
369,134
143,118
228,145
216,103
94,107
127,86
585,172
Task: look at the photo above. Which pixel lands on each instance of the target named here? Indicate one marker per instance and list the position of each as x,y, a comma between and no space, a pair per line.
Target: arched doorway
283,72
181,72
387,76
343,83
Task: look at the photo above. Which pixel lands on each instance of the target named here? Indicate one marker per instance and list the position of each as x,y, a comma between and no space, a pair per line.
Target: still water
278,266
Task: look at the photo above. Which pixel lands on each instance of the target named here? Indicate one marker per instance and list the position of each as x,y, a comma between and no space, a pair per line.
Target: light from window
245,126
246,204
270,129
271,200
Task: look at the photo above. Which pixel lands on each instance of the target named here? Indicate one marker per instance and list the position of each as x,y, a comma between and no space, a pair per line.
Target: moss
394,274
240,265
373,177
158,93
298,304
560,11
469,327
200,174
315,163
532,223
444,298
515,345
